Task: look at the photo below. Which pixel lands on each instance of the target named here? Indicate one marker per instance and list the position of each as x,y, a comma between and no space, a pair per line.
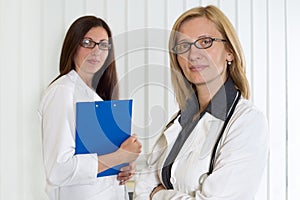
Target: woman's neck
86,78
206,91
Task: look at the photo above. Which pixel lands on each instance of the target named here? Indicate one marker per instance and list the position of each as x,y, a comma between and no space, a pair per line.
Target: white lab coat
69,176
240,159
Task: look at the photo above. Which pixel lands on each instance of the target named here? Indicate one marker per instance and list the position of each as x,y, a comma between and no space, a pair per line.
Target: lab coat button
172,180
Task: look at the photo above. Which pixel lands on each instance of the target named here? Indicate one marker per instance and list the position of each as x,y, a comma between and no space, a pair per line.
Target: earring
229,63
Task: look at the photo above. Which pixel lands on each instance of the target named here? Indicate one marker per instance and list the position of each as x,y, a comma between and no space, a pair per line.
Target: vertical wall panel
253,33
137,71
211,2
259,67
293,81
2,51
119,31
277,101
52,33
10,146
73,10
114,7
259,70
96,7
174,10
191,3
244,21
229,7
29,135
157,72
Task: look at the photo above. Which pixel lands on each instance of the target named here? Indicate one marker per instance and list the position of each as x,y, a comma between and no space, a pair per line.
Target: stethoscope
213,155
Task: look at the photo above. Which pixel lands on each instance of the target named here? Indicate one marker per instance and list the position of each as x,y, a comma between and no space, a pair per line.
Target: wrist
107,161
155,190
119,153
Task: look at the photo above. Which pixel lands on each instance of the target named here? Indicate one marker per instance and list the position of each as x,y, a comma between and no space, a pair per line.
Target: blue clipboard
101,127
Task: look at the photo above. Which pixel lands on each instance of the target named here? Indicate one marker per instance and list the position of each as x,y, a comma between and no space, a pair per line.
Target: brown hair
105,83
237,68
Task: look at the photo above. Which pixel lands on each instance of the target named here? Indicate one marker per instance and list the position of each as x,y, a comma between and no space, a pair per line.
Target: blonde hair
236,71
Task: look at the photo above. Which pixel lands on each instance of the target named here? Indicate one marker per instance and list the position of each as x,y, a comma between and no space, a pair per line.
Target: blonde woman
216,146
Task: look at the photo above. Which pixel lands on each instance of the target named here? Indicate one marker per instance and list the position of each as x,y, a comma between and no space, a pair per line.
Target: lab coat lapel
202,137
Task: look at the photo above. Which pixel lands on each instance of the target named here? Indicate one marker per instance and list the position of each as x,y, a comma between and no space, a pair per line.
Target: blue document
101,127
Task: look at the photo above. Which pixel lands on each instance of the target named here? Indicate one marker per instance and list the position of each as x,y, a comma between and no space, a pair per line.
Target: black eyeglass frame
94,44
211,39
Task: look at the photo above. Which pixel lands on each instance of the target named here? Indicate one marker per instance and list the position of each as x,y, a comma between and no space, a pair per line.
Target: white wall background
31,35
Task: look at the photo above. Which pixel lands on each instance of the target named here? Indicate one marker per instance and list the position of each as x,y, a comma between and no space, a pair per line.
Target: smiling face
89,61
203,66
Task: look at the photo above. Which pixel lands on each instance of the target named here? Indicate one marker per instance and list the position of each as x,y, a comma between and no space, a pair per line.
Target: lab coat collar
74,76
223,100
218,106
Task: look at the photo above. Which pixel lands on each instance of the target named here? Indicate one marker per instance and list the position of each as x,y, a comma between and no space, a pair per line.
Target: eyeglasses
201,43
90,44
